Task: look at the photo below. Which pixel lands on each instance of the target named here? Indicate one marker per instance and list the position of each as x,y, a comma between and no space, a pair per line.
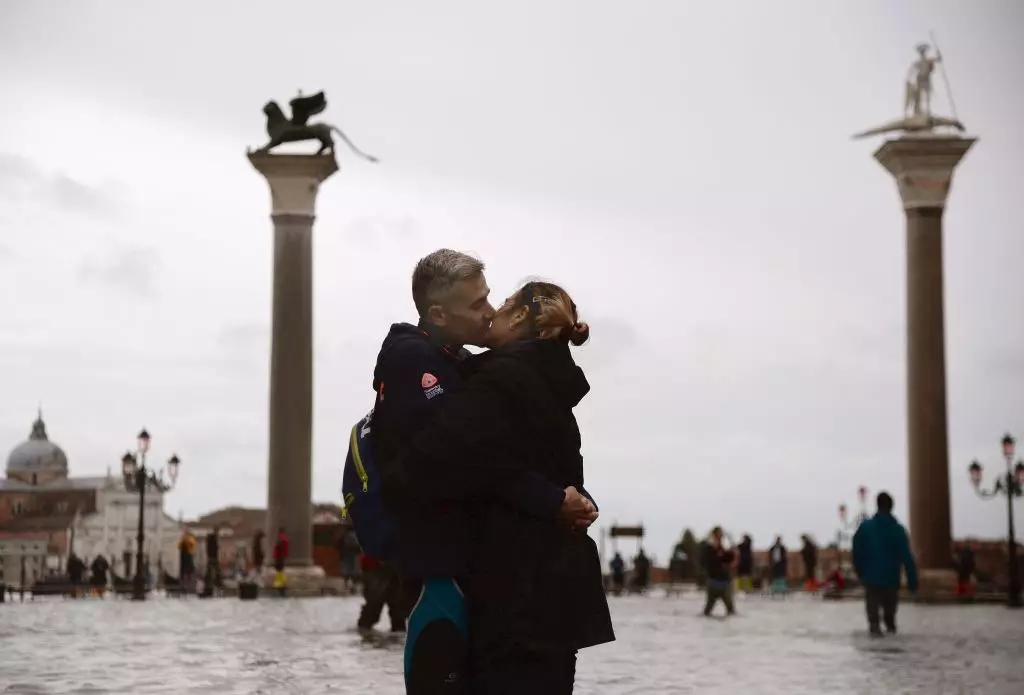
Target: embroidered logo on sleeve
428,382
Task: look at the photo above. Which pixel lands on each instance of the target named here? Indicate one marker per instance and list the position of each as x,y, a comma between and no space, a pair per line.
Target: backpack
375,525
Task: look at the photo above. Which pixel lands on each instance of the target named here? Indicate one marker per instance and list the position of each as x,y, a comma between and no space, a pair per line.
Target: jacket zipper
358,460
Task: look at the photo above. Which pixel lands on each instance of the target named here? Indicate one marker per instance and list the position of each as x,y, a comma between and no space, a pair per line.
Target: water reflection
309,646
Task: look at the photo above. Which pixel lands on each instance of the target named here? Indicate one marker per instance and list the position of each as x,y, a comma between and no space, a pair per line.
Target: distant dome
37,455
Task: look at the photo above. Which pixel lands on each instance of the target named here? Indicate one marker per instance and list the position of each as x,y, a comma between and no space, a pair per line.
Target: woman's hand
577,511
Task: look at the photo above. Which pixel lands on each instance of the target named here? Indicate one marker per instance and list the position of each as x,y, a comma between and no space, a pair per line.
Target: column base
310,580
936,585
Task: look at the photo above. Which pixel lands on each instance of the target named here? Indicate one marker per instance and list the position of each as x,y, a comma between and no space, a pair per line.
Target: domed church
37,460
89,515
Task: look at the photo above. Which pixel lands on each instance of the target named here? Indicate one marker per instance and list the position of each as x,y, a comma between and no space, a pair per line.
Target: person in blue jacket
881,551
418,369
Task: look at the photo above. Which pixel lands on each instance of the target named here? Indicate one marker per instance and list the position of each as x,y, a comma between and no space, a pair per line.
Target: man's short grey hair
436,273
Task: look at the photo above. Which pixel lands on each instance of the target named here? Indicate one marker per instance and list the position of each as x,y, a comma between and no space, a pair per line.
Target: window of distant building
34,478
62,507
18,508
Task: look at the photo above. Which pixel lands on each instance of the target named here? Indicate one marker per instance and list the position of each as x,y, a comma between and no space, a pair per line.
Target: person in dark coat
778,559
618,568
718,563
76,569
745,565
881,551
535,589
964,564
258,551
99,570
212,579
641,571
809,554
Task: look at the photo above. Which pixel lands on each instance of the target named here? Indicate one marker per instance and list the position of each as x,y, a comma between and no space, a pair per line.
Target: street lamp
1011,485
847,526
136,479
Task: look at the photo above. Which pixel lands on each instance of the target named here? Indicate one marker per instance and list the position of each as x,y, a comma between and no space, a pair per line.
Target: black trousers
718,593
382,586
523,672
881,599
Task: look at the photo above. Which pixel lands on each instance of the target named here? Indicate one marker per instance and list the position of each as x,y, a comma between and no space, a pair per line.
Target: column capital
294,180
923,167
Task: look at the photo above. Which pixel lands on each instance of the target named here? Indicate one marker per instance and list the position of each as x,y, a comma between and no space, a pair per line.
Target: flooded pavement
307,646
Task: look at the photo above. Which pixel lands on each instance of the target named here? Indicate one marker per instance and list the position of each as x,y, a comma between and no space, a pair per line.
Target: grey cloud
20,178
243,335
371,228
131,269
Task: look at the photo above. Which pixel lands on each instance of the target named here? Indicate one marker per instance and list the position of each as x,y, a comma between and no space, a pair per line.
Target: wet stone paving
297,646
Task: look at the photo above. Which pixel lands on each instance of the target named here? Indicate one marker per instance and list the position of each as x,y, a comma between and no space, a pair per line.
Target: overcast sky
685,169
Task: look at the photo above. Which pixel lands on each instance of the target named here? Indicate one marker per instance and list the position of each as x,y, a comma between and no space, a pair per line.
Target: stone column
923,167
294,182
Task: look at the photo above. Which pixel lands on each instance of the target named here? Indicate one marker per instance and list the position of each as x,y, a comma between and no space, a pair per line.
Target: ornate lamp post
847,526
1010,485
136,478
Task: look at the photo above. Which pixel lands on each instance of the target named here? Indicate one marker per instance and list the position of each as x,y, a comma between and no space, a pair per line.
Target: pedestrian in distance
718,561
881,552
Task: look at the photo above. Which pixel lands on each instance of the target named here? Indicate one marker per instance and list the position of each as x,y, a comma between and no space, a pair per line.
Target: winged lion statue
281,129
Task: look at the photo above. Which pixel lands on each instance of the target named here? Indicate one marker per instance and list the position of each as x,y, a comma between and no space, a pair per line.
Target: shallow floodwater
798,646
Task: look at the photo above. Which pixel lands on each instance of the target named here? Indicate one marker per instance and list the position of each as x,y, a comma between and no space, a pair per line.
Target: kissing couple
482,479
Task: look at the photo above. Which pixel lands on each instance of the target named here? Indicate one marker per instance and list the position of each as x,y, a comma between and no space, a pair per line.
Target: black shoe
398,629
876,632
890,629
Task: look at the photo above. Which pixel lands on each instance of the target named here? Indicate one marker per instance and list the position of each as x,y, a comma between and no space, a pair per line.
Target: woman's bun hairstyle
554,313
579,334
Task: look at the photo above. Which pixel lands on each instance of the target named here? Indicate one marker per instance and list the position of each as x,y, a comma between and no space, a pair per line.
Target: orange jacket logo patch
428,380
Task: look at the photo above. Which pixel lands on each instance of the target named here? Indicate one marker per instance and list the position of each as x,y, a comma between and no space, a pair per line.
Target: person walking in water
381,586
809,554
778,558
186,560
745,565
718,562
880,551
641,571
963,563
618,568
212,579
258,552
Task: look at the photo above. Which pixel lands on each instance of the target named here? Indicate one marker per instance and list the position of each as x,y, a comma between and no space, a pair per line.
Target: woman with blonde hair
535,593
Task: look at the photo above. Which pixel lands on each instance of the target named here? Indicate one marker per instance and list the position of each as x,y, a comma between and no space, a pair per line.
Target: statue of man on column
919,83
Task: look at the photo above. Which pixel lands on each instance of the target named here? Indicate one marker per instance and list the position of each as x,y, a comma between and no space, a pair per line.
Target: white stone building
22,553
113,528
86,515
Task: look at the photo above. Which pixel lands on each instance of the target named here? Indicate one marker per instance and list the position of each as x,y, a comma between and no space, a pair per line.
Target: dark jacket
745,564
212,548
415,376
534,584
964,564
880,550
778,558
809,553
717,563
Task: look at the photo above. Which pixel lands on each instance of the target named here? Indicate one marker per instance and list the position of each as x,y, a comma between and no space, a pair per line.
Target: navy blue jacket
880,550
416,373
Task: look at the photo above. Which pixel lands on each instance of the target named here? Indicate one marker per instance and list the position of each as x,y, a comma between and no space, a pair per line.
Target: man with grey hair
416,369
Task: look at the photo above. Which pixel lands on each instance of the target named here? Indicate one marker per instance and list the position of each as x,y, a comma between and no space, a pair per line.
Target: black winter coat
533,584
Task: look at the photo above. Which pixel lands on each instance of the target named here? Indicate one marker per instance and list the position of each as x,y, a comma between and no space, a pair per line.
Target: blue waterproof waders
436,646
